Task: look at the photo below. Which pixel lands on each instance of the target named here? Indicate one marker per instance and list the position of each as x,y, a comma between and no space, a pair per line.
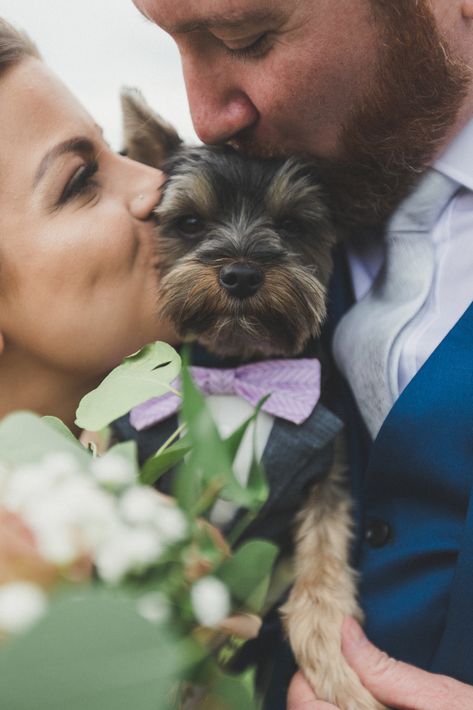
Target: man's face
367,85
275,76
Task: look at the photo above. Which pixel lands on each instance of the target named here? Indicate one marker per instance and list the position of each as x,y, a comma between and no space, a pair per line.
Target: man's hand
391,682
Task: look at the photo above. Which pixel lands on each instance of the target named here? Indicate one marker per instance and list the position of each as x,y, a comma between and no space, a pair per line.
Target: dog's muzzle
241,280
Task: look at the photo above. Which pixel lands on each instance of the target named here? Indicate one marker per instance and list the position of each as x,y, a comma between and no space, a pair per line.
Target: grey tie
369,338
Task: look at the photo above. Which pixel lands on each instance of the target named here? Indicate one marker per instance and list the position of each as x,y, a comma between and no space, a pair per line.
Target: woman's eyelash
80,182
256,49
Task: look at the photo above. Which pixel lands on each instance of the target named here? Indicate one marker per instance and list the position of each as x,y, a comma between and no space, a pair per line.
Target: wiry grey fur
270,214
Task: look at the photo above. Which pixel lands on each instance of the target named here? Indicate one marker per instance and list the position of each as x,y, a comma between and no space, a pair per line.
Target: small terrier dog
245,257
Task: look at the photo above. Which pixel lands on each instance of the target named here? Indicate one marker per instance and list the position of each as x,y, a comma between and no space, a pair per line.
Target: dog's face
244,244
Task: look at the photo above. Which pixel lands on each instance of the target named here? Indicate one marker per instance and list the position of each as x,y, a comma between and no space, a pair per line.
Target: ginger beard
395,134
396,130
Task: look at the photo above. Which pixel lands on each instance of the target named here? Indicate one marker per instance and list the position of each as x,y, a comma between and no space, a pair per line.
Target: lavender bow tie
294,386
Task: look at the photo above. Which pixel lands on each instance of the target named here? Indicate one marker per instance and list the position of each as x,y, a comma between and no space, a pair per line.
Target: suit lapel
439,396
291,450
294,458
424,453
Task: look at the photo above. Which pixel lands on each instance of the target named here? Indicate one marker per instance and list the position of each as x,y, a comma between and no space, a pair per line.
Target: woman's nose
144,190
219,108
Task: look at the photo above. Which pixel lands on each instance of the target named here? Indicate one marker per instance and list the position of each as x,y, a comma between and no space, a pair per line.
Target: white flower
21,605
25,484
154,607
113,471
71,519
210,600
61,463
58,545
142,504
172,523
139,504
129,550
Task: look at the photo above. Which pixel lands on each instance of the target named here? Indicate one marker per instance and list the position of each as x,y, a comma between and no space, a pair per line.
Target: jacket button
378,533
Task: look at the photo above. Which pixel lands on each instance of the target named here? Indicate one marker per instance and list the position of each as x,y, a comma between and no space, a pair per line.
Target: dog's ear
148,138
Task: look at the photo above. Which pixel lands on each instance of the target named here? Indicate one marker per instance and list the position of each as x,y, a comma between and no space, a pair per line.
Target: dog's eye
290,225
190,225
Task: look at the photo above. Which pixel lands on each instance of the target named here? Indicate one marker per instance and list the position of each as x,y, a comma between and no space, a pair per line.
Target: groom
380,90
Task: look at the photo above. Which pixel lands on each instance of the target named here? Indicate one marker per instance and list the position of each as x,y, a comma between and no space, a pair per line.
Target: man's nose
219,108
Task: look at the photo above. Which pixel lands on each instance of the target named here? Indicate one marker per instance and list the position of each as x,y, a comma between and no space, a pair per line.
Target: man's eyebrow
79,145
217,21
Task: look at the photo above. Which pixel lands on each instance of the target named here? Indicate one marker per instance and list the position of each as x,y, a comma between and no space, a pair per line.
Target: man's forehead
180,16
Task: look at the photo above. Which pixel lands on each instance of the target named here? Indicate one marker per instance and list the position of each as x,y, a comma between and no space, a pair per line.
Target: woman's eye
256,49
190,225
80,182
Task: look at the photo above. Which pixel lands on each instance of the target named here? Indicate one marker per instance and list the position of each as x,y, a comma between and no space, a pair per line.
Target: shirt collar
457,160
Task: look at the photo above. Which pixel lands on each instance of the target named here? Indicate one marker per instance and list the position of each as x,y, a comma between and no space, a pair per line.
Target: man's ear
147,137
2,343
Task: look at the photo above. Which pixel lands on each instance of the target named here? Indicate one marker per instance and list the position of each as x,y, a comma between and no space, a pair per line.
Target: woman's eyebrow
78,144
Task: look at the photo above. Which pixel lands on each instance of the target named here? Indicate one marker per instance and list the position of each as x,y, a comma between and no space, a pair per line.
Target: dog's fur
221,209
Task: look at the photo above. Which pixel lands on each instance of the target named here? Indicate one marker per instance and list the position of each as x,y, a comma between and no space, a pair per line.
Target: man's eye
80,182
255,50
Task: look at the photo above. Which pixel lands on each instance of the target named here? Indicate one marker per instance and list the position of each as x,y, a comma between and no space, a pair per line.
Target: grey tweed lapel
294,454
295,457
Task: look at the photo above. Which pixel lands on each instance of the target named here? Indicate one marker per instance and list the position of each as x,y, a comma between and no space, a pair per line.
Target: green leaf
188,489
257,483
247,573
158,464
26,438
59,426
210,461
233,442
146,374
234,693
94,652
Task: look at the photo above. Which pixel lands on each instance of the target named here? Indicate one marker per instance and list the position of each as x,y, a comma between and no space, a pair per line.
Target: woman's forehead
36,111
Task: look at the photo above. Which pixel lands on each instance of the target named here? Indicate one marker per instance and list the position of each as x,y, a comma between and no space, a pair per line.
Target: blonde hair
14,46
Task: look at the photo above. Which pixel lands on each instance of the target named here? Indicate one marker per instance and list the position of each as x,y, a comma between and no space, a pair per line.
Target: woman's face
78,272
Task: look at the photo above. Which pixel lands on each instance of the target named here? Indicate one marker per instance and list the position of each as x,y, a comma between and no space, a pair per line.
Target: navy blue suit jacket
415,484
412,489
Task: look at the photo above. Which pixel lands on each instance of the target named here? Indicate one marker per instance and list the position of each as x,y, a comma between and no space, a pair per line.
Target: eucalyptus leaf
159,464
210,458
248,572
96,653
26,438
59,426
257,483
188,488
233,693
146,374
233,441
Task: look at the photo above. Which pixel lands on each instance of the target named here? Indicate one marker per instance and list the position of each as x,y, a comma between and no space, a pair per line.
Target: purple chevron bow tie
294,386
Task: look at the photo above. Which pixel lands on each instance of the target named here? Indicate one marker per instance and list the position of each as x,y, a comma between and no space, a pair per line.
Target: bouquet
113,595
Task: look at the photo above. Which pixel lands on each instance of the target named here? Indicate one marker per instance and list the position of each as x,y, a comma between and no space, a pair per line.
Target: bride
78,267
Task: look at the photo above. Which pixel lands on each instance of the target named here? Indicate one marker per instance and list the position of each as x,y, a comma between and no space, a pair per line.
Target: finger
398,684
301,696
245,626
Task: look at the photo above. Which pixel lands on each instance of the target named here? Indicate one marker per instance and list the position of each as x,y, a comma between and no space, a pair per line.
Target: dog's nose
241,281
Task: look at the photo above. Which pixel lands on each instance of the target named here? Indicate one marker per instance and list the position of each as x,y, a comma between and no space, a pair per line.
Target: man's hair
14,46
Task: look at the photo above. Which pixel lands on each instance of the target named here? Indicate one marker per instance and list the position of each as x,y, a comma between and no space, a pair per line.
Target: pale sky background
97,46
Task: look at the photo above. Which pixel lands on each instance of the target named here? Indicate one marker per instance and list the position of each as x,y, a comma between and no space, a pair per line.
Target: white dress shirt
451,291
